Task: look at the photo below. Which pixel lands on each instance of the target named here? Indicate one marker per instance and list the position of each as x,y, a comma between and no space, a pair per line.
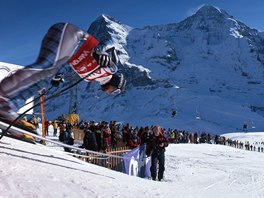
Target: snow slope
202,170
251,137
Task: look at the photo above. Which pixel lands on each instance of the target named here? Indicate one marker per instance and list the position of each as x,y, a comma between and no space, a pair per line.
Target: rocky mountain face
209,64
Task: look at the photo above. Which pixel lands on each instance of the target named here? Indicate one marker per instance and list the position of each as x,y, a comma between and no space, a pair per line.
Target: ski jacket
85,65
134,141
106,132
158,143
89,140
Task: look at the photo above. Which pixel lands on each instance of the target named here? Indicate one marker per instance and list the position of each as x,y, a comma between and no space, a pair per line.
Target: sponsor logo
83,55
82,69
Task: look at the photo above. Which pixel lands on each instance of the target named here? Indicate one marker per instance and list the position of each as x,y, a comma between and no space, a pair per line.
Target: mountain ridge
210,63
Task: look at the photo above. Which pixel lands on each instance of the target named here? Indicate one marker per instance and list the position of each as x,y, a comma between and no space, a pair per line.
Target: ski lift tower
253,125
197,115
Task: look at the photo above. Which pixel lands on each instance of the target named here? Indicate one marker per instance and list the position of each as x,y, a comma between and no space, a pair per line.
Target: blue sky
25,22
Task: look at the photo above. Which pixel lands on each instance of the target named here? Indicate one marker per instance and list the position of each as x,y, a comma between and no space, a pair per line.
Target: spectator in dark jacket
99,136
145,137
67,139
89,140
157,146
114,132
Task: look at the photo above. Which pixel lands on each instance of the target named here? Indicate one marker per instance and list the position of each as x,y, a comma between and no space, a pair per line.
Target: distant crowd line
255,146
104,135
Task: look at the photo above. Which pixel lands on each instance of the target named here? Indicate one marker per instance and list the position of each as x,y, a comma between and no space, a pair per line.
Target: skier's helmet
116,85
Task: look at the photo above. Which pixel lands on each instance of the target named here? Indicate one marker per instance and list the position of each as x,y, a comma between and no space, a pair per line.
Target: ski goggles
115,86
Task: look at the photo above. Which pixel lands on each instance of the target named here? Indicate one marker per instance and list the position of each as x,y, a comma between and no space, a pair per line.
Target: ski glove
56,80
102,59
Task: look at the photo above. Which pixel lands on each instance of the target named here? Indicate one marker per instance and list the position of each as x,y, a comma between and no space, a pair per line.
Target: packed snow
192,170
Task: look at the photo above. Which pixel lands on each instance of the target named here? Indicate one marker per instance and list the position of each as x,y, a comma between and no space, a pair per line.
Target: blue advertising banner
136,163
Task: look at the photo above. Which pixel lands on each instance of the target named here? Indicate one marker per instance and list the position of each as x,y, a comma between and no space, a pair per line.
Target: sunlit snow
201,170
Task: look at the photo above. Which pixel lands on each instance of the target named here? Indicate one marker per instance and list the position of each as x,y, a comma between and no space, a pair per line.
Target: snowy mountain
191,170
208,66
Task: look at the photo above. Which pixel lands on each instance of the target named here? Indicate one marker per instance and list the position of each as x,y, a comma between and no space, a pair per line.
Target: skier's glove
102,59
56,80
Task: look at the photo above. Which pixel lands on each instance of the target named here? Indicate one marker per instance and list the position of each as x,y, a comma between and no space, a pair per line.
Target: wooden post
42,114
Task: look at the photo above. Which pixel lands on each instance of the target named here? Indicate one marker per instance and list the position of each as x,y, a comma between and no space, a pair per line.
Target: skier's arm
164,142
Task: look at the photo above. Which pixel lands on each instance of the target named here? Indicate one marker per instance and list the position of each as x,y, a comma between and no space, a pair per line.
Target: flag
136,163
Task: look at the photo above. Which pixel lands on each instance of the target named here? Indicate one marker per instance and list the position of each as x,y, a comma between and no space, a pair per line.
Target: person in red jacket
157,145
134,141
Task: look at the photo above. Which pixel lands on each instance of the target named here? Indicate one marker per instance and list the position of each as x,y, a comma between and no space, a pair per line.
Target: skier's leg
153,167
161,159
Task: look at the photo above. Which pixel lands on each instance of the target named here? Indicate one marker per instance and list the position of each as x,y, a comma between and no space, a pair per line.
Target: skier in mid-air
64,44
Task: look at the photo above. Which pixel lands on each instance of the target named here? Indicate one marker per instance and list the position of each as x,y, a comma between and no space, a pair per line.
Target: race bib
83,61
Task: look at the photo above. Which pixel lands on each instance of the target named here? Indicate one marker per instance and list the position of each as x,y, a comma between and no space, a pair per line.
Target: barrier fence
113,163
78,134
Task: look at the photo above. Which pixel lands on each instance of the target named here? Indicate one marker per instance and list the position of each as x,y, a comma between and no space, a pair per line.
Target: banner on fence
136,163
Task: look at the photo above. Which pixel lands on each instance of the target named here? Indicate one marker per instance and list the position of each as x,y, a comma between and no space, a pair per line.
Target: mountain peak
208,10
100,28
209,19
106,19
104,27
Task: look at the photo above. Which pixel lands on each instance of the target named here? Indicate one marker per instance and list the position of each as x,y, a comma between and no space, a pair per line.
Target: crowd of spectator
104,135
254,146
